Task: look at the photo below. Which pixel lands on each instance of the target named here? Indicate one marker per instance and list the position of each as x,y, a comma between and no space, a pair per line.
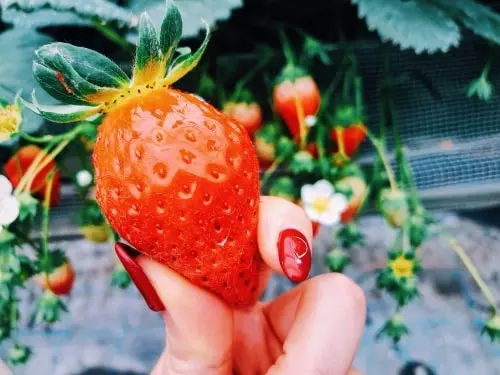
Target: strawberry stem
466,260
45,224
380,149
286,48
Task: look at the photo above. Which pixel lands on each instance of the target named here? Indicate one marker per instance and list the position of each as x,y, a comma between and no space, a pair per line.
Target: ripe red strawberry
295,88
175,177
18,165
351,138
59,281
247,114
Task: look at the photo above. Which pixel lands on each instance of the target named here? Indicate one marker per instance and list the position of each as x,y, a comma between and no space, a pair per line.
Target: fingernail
128,256
294,255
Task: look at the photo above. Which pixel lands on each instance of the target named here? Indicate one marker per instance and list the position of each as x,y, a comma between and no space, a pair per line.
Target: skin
313,329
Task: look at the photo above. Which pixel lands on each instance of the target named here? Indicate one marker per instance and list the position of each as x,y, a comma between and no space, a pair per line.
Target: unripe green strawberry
394,206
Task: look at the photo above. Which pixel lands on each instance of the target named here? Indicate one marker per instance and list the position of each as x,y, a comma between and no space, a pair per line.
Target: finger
320,323
284,237
198,324
353,371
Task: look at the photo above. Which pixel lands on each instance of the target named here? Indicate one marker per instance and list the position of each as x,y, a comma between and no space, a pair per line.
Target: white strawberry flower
310,120
322,204
83,178
9,205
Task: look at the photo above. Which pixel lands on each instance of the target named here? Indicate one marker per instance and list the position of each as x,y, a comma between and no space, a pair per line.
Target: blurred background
443,62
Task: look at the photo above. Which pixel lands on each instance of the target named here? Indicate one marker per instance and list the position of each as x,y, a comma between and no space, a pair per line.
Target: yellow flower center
320,204
402,267
10,119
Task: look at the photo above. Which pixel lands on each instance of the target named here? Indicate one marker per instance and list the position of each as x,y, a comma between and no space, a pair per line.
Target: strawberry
18,165
393,203
175,177
265,140
348,139
355,188
296,91
59,281
247,114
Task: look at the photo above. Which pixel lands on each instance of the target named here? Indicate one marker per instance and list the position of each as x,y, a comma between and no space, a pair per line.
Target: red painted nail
127,256
294,255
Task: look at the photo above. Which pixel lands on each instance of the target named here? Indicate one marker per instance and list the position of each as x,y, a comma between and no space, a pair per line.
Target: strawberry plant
178,173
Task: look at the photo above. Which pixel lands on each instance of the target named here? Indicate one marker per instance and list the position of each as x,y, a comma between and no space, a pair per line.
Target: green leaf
148,56
28,206
40,13
171,31
188,62
192,12
62,113
418,25
477,17
17,46
77,75
6,236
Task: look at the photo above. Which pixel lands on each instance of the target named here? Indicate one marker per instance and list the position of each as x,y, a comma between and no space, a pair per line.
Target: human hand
313,329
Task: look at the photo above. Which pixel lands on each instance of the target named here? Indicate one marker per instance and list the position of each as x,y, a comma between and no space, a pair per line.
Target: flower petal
339,203
323,188
311,213
307,194
9,210
329,218
5,187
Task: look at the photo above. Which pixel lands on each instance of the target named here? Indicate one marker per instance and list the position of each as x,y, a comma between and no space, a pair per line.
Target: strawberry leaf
477,17
148,58
192,11
77,75
418,25
61,113
17,46
40,13
171,31
187,62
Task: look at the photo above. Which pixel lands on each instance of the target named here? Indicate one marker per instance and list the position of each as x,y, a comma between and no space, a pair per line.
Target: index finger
320,324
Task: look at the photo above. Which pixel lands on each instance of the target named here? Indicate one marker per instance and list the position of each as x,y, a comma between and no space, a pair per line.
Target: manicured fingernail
127,256
294,255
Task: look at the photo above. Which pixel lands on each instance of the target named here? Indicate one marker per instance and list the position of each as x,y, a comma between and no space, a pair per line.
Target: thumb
199,327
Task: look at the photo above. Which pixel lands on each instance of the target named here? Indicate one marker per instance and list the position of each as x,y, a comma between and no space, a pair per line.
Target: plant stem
247,77
46,161
269,171
466,260
45,223
287,50
379,147
30,172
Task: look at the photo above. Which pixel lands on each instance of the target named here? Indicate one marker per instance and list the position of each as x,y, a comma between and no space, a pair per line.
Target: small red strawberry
59,281
247,114
175,177
16,167
296,91
348,139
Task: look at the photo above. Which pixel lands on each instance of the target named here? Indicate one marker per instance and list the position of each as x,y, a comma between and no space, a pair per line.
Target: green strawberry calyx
90,84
